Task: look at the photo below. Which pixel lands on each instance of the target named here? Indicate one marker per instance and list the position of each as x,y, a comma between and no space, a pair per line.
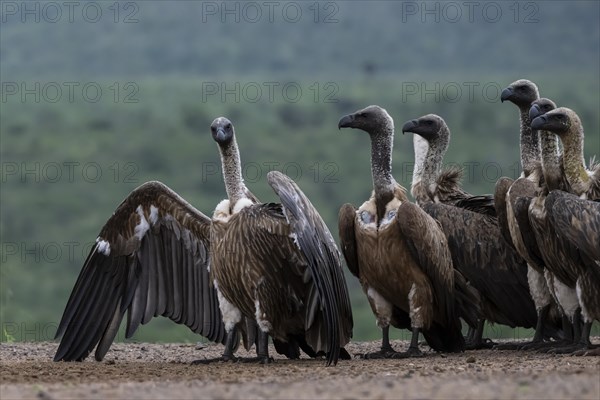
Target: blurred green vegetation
66,165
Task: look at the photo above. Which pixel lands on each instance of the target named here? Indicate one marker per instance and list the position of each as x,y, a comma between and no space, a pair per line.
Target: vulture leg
413,349
386,350
581,337
478,341
470,335
263,348
230,344
538,337
567,328
386,347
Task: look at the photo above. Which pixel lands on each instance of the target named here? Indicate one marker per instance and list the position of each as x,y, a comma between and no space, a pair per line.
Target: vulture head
222,131
429,127
522,93
373,119
541,107
559,121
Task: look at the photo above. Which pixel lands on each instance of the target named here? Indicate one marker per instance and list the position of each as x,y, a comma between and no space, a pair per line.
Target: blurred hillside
90,110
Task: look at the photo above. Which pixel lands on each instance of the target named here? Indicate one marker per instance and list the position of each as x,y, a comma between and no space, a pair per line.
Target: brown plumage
565,123
573,218
399,253
478,248
276,264
514,221
150,259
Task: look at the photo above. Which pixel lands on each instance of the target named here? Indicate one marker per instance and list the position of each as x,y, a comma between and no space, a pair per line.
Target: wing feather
347,218
489,264
576,220
429,246
318,246
150,259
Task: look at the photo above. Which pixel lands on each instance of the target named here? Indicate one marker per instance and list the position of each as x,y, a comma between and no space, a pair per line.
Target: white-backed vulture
524,94
276,264
400,255
478,248
579,268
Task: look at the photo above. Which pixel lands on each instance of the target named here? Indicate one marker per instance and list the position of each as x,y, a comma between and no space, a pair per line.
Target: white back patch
222,211
241,204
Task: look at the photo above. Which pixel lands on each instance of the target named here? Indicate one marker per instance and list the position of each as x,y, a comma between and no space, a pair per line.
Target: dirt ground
156,371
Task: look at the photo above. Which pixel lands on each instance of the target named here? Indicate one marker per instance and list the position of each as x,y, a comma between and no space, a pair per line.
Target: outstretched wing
577,221
150,259
318,246
346,220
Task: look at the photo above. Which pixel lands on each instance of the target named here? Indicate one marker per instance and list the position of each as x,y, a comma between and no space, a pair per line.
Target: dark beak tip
408,126
538,122
505,95
345,121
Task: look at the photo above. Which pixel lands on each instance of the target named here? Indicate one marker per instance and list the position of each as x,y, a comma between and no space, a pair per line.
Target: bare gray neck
530,148
381,161
433,160
232,172
574,161
550,160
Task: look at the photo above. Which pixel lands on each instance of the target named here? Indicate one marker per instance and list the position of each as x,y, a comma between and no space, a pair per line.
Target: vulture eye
560,117
228,126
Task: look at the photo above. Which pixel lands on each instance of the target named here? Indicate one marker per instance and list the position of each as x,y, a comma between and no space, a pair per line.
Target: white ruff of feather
382,306
103,246
231,314
142,227
261,318
241,204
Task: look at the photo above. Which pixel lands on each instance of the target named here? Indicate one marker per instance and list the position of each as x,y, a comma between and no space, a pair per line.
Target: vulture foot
509,346
484,343
212,360
595,352
569,349
540,346
259,360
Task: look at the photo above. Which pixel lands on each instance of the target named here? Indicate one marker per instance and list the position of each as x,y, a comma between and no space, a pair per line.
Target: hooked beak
506,94
346,121
409,126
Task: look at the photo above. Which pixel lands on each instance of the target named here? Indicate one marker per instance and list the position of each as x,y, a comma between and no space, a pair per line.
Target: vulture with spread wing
273,265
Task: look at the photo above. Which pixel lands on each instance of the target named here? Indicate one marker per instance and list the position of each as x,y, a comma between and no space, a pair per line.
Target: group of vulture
527,256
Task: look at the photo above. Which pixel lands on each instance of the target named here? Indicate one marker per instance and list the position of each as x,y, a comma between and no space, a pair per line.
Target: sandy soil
156,371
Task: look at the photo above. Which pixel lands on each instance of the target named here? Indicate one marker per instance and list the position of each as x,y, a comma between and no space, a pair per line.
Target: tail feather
448,339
